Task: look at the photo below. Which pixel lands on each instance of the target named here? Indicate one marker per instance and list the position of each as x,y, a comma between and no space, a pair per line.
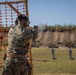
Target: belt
11,55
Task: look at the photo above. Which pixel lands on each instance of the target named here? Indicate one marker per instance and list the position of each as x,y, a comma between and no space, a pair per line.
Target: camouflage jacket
18,38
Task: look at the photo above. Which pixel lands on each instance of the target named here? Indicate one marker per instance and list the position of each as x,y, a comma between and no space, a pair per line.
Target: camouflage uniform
18,44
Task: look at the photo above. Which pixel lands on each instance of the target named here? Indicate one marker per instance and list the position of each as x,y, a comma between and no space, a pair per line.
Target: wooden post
30,55
30,41
26,8
1,40
10,5
13,2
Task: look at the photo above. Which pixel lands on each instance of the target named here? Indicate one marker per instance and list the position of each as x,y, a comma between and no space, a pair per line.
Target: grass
44,65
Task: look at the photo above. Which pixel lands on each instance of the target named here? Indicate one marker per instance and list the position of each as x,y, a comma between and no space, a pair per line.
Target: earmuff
27,23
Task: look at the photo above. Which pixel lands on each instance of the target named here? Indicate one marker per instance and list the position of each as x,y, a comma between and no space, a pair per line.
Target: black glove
35,34
29,69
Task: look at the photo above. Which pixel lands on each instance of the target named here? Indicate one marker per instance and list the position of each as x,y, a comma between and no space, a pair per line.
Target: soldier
53,55
70,53
16,62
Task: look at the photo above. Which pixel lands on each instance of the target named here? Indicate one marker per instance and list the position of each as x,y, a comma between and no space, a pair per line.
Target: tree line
59,28
52,28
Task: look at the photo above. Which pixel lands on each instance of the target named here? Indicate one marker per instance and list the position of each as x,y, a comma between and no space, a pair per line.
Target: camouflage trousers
15,66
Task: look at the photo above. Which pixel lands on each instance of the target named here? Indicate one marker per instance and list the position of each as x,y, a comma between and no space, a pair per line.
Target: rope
6,14
0,17
11,18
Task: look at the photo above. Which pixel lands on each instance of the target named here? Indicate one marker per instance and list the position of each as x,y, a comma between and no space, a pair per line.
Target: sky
51,12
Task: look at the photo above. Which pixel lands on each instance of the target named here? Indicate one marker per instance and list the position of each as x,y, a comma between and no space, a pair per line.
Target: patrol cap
22,17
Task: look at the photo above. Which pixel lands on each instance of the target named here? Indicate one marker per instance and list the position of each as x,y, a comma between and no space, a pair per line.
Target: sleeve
31,34
34,35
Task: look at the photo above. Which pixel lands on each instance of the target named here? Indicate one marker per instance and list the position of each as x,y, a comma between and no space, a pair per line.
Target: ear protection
16,21
22,17
27,23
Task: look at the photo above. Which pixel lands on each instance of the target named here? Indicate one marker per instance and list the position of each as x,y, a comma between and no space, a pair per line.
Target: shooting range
47,60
